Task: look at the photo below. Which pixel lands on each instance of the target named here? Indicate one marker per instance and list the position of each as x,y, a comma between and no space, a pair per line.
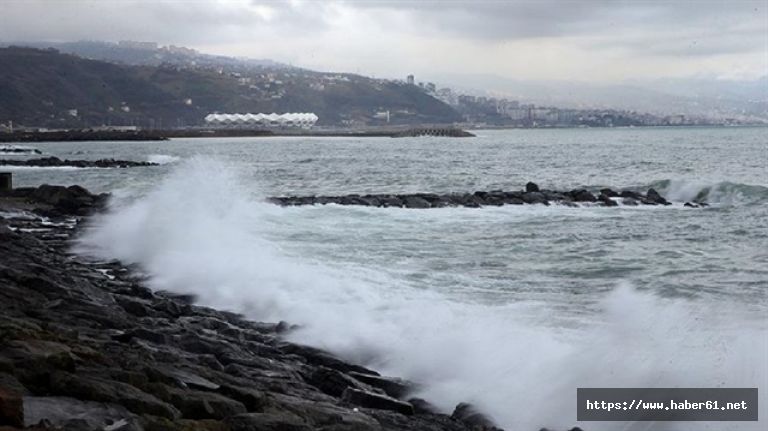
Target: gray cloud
306,30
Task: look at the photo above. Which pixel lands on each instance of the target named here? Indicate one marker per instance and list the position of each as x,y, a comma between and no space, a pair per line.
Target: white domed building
304,120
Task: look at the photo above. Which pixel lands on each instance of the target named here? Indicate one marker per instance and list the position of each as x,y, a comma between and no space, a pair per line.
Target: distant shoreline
164,135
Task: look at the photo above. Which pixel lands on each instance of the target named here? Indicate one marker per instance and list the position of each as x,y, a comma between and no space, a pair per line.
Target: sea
510,308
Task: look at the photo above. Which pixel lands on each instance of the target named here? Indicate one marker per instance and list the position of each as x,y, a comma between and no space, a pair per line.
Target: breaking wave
162,159
201,232
724,192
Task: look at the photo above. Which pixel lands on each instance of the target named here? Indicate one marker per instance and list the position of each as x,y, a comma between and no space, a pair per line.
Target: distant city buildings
150,46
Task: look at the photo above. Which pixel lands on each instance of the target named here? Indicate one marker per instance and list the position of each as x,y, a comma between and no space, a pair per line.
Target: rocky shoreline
48,162
531,195
86,346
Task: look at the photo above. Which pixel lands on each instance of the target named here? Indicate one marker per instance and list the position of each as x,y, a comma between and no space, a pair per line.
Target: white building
291,119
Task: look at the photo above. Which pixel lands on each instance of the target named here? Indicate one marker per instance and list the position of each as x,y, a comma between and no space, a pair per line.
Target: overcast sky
585,40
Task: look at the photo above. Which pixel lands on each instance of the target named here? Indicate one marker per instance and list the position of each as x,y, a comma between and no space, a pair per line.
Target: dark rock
531,187
421,406
690,205
392,386
97,389
331,381
630,202
204,405
319,357
534,198
655,197
253,400
416,202
582,195
470,416
143,334
376,401
134,307
11,408
60,411
56,162
609,192
607,201
273,421
630,194
390,201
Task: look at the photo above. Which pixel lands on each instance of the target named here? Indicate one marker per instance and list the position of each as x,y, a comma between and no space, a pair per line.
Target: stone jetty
48,162
532,194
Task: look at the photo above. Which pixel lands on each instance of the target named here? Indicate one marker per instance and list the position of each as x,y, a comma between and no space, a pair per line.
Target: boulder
392,386
376,401
416,202
655,197
67,412
534,198
107,391
333,382
471,417
531,187
581,195
607,201
273,421
204,405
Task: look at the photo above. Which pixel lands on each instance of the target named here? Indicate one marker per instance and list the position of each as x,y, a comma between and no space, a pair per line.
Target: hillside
51,89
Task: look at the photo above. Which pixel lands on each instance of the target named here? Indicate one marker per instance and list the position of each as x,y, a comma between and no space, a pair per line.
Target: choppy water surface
510,307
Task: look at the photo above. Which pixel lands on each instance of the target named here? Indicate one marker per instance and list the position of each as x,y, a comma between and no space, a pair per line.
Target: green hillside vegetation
41,87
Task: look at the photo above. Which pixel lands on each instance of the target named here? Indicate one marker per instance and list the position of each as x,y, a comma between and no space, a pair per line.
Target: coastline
164,135
86,345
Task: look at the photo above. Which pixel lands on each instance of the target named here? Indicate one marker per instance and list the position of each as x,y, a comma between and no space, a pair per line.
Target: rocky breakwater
531,195
48,162
86,346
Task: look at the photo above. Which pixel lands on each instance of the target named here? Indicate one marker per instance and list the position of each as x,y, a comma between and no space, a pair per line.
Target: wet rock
57,162
97,389
273,421
204,405
630,194
253,400
416,202
534,198
609,192
376,401
531,187
655,197
390,201
691,205
470,416
142,334
392,386
66,412
321,358
607,201
630,202
332,382
581,195
421,406
11,408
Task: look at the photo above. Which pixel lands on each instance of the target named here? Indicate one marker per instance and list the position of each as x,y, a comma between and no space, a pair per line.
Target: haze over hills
149,85
714,98
48,88
151,54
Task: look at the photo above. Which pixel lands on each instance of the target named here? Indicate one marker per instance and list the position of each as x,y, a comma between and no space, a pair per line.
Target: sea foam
202,231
